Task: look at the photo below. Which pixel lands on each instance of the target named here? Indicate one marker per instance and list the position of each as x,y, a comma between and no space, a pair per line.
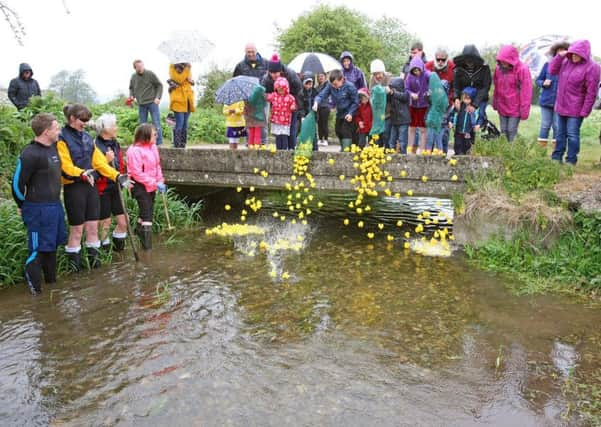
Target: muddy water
199,333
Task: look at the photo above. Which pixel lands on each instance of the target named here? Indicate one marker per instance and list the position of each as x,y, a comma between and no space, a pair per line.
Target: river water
362,333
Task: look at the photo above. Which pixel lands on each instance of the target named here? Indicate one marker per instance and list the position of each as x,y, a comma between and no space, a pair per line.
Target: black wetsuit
36,188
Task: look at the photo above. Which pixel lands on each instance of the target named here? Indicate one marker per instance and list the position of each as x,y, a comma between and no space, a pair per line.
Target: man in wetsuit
36,188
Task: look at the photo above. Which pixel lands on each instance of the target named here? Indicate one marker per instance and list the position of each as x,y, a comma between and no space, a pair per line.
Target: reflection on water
201,334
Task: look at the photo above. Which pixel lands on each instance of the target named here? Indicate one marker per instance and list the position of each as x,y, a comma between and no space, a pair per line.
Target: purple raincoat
577,82
418,85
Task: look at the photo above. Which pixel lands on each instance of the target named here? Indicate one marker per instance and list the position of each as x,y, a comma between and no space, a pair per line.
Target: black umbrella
314,63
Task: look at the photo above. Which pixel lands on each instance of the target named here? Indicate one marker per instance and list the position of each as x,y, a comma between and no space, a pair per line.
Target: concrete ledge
229,168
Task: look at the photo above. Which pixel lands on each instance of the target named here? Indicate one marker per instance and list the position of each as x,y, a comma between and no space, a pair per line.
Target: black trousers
463,145
323,117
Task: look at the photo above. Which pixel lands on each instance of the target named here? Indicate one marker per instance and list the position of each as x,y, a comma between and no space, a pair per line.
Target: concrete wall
229,168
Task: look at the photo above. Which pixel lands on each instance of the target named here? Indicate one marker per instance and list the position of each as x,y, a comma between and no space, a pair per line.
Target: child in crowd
363,117
254,116
344,94
416,84
234,120
144,166
439,102
306,98
466,124
398,105
323,112
282,106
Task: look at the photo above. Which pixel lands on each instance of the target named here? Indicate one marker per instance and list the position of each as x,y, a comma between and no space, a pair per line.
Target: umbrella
534,53
236,89
186,46
314,62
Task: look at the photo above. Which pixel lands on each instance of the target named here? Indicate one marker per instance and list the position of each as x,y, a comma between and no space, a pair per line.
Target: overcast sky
103,37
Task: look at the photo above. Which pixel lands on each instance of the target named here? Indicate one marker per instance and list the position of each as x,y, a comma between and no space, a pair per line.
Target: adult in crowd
82,164
23,87
181,101
36,188
351,72
472,71
512,95
146,89
110,201
323,112
547,82
276,69
380,102
578,82
444,67
416,51
252,65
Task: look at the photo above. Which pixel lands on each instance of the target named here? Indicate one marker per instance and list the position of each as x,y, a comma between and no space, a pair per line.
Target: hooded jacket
364,114
439,103
398,100
282,106
345,98
478,76
257,68
445,73
144,165
353,74
181,99
20,89
418,84
513,88
577,83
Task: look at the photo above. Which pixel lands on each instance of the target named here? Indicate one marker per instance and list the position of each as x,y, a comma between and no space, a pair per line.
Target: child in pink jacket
282,106
513,91
144,167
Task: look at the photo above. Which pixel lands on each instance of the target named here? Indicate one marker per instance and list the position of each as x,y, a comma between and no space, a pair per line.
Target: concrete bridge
210,167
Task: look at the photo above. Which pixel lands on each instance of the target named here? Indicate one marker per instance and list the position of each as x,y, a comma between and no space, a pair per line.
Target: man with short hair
253,64
147,90
417,50
36,188
23,87
445,68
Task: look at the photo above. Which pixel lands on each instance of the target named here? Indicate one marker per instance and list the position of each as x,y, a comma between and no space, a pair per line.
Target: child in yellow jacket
234,120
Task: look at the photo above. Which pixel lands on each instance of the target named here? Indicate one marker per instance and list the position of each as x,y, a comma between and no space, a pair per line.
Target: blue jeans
548,120
181,121
155,115
434,139
568,133
400,133
509,126
385,136
445,137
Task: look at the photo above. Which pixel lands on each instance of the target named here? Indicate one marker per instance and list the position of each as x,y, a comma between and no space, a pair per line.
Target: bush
207,126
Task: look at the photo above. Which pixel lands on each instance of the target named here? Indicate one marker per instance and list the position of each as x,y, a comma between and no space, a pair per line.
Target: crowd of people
407,111
413,111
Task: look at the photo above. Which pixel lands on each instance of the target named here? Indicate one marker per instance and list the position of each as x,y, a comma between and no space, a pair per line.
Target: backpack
489,131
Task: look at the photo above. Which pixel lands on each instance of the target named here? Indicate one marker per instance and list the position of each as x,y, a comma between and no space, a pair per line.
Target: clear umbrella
186,46
535,53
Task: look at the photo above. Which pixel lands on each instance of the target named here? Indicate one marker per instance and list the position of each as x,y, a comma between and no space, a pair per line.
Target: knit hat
307,77
470,91
363,92
275,65
377,66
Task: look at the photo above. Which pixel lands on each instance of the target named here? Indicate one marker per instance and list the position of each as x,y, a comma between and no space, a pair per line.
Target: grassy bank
552,248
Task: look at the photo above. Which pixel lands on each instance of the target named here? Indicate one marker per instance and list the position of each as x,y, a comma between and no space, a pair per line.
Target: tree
331,30
14,22
395,40
72,87
208,85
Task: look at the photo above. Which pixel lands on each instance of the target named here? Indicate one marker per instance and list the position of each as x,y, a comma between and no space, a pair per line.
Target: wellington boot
146,237
118,243
74,261
345,143
542,142
94,258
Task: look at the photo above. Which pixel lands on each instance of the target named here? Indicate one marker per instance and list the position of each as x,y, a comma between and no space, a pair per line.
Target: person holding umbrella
181,100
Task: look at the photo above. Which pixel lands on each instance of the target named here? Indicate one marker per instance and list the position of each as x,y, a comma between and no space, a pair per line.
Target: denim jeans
181,121
293,124
548,120
568,133
155,115
434,139
400,133
385,136
509,126
445,138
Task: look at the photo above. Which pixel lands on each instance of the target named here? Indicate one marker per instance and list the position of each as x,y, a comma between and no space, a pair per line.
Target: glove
88,176
161,187
315,106
124,181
